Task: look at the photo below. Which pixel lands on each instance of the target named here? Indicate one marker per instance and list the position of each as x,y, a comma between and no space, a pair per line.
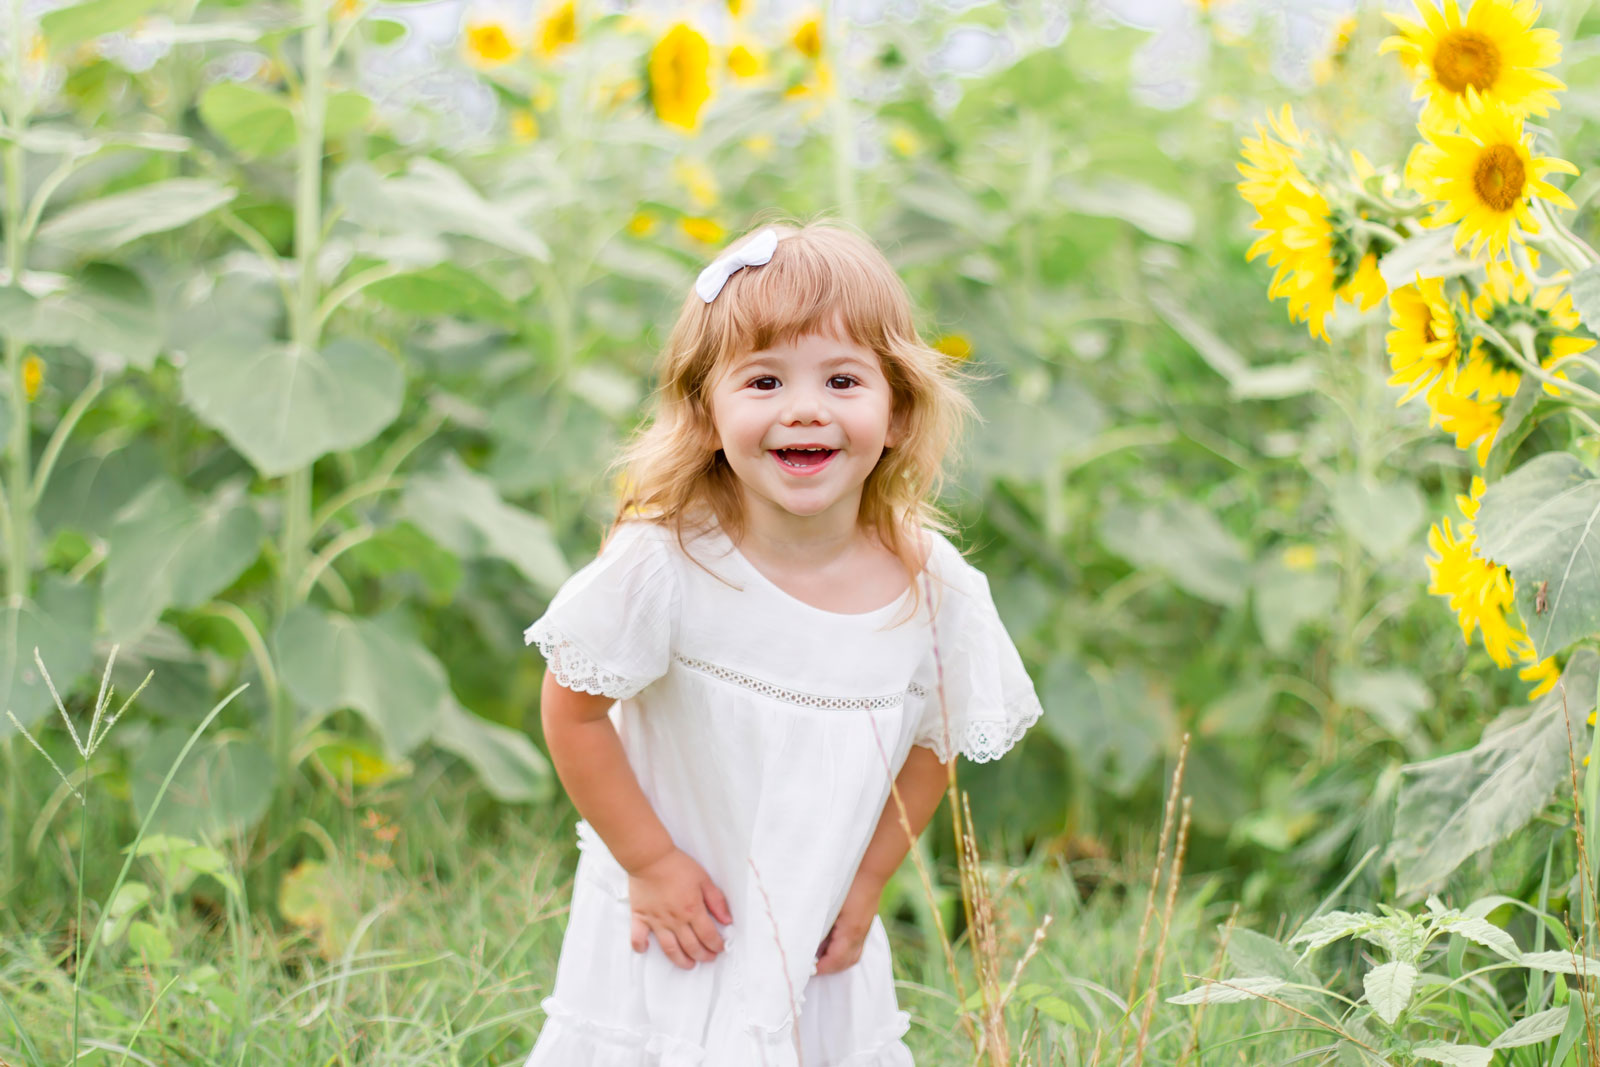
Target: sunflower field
322,320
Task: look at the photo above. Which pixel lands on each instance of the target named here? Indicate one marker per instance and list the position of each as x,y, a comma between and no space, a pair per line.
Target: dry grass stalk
783,960
1579,948
1166,928
1168,818
1216,969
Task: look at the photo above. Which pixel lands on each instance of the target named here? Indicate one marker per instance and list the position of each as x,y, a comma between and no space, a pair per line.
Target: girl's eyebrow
765,360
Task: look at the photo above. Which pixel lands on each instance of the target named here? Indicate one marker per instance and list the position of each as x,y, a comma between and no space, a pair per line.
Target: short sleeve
990,699
609,629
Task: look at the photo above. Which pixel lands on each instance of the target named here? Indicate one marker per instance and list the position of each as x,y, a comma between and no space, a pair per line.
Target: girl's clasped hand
674,898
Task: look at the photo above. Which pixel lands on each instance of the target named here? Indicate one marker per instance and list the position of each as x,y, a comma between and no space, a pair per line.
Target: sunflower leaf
1540,522
1585,290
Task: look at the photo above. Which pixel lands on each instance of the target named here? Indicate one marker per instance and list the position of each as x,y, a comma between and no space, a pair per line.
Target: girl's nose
804,406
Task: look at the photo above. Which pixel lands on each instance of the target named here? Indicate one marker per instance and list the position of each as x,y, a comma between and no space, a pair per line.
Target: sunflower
489,43
1474,422
1313,262
1546,672
1479,591
807,37
705,230
1325,67
746,61
1509,298
1493,51
32,375
1423,346
1484,177
558,29
680,76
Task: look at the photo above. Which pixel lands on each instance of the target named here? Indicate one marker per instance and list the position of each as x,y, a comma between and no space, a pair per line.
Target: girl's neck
800,542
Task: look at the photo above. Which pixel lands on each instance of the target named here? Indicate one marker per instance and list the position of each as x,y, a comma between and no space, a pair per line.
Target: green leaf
1115,723
86,490
18,310
59,620
169,549
1389,987
66,26
345,112
1542,522
284,406
1230,991
387,31
253,122
1392,697
462,510
1540,1026
1585,290
222,788
1286,598
1062,1011
445,289
1560,961
109,315
1028,440
507,762
1164,217
1453,806
150,942
1482,932
432,198
1184,541
330,661
131,896
1325,929
1259,956
1455,1055
1383,517
112,221
404,550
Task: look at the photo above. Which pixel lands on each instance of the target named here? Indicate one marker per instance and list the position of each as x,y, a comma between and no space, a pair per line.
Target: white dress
765,733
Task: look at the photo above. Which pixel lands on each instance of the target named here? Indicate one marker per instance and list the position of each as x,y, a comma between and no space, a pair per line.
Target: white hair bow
752,253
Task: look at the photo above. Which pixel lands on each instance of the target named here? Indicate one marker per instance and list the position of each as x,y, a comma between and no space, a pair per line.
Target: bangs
819,281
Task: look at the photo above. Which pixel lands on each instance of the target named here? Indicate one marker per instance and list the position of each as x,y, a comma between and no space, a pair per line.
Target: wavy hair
823,276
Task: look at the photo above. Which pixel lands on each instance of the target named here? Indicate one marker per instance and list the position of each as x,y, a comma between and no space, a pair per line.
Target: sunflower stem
1525,358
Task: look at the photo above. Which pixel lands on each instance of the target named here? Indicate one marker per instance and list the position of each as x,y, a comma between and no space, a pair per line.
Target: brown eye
756,382
845,378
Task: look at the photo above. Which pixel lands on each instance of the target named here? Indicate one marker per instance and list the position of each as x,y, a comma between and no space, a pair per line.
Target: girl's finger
669,944
718,904
689,941
707,933
639,935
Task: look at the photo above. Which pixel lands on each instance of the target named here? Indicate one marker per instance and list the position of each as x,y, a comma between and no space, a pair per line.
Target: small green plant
1436,993
126,898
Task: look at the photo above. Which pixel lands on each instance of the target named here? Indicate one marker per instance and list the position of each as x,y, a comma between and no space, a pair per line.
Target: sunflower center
1466,57
1499,177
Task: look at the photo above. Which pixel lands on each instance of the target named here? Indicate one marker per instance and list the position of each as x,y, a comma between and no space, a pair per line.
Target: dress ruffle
987,740
570,1040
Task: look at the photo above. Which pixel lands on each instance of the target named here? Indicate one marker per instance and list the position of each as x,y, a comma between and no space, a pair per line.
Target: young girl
737,680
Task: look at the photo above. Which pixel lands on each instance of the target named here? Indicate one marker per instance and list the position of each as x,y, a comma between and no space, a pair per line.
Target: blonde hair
822,275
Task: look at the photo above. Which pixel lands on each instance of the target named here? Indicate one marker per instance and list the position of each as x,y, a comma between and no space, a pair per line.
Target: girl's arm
669,893
921,783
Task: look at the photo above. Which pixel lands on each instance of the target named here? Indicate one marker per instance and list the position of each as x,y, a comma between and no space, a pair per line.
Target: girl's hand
842,947
675,899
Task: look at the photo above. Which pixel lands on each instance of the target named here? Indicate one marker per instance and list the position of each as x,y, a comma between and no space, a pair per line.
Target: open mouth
804,460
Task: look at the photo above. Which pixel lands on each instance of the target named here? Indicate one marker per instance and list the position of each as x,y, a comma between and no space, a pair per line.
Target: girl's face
802,424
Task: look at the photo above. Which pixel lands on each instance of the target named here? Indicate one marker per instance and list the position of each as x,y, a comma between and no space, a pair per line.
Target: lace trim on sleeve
985,739
574,669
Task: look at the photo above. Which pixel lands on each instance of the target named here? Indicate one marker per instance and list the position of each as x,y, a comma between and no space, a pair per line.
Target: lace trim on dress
574,669
986,739
796,696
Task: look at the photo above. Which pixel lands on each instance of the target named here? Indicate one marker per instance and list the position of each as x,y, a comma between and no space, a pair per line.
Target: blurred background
323,321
